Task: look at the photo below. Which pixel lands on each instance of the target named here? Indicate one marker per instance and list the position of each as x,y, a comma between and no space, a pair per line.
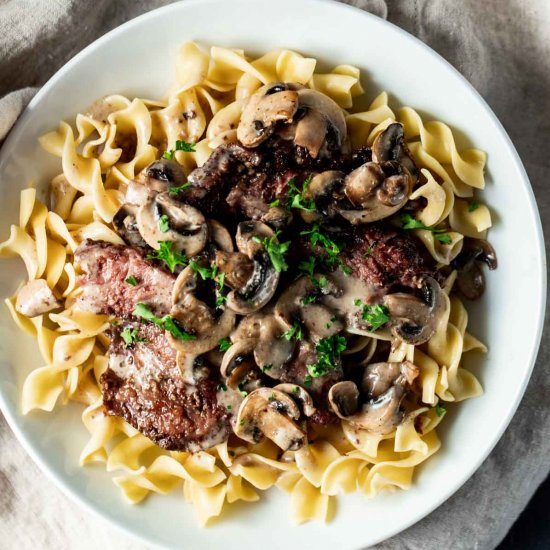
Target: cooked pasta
100,156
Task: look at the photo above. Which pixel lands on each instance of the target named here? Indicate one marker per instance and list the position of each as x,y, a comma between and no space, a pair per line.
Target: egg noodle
86,195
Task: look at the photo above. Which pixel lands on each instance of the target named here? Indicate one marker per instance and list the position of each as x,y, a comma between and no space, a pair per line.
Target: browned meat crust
383,256
144,386
104,288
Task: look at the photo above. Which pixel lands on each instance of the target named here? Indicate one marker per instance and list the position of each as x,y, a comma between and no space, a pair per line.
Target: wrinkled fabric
503,48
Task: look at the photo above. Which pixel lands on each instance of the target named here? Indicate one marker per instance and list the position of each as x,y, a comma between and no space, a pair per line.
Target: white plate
137,59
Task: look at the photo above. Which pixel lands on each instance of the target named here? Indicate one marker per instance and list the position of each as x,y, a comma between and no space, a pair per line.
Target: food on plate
252,283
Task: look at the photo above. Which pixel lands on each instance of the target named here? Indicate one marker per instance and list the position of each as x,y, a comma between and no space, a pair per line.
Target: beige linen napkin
503,48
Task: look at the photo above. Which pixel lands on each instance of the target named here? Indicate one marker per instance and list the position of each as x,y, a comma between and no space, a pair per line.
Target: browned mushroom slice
470,281
237,365
158,177
196,317
36,298
390,145
220,236
125,225
324,189
263,281
272,103
273,414
415,320
322,126
163,218
293,305
300,395
272,351
382,412
376,192
277,217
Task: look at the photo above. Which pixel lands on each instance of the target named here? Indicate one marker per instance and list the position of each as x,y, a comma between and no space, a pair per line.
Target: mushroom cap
220,236
237,362
125,224
318,319
188,230
263,281
382,412
470,280
272,351
270,104
414,320
197,317
325,189
273,414
390,145
375,194
300,395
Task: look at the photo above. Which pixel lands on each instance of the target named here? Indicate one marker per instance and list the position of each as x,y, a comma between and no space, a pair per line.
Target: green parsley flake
295,196
131,280
267,367
241,390
439,410
165,254
175,189
166,323
275,250
473,205
295,332
441,235
205,272
309,299
130,336
221,298
274,203
328,356
222,387
296,390
181,145
242,422
224,344
375,315
164,223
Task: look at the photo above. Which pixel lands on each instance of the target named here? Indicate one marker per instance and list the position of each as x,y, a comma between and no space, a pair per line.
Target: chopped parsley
167,322
130,336
222,387
330,248
295,196
221,298
375,315
296,390
241,390
164,224
307,267
267,367
441,235
171,259
224,344
131,280
328,356
333,319
473,205
439,410
369,250
204,272
242,422
181,145
271,397
229,407
309,299
275,250
295,332
174,189
274,203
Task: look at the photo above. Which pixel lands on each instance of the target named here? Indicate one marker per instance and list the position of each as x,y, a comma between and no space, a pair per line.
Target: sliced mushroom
272,103
376,191
196,317
390,145
300,395
273,414
272,350
238,363
470,280
325,190
414,320
186,226
192,368
378,377
277,217
220,236
125,225
318,319
382,412
237,267
158,177
322,126
263,281
36,298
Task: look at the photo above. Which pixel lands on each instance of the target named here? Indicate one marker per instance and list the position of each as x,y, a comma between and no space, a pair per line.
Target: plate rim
82,499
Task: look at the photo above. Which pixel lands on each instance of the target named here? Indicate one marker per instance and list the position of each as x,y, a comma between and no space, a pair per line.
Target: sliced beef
104,288
143,385
386,257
